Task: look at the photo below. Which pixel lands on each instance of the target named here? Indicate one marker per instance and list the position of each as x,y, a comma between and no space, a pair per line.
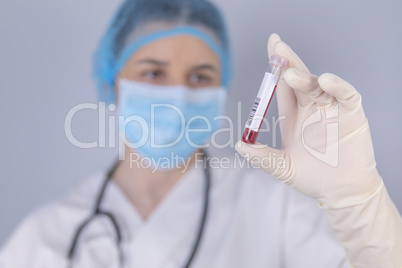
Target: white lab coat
253,221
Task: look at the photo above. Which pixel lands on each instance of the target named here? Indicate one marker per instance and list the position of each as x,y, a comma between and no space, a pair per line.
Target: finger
335,86
272,161
287,101
308,90
272,40
284,50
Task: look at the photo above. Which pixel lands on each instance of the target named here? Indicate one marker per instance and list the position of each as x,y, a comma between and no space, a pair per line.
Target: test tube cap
279,61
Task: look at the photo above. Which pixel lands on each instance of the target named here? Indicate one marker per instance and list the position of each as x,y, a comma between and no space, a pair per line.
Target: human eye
153,75
200,80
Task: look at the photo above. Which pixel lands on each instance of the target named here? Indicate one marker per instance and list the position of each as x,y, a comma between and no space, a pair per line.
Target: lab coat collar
174,222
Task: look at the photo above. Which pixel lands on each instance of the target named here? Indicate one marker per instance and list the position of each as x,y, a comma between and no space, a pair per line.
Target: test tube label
262,101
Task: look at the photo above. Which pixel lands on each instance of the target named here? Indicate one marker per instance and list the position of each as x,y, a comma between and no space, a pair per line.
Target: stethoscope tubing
97,212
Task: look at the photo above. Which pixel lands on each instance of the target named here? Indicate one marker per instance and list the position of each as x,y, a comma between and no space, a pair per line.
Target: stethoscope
99,212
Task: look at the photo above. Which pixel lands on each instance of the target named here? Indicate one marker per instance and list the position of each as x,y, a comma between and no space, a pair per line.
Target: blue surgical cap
140,22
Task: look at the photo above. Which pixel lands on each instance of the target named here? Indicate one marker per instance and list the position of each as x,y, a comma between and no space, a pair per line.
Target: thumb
273,161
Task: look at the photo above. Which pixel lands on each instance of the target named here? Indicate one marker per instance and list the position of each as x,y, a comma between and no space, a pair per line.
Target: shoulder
239,184
46,232
236,171
234,176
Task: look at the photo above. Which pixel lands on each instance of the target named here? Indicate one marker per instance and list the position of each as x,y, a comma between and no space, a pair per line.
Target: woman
166,65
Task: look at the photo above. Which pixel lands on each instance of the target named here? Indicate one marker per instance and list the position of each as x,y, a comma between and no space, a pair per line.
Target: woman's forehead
180,48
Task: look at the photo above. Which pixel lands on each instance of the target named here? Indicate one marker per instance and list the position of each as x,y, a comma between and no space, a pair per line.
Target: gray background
45,66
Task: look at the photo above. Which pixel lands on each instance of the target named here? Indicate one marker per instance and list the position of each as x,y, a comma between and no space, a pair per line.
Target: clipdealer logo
111,128
331,154
107,125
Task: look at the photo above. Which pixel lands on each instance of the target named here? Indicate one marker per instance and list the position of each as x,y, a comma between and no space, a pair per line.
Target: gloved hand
327,154
322,114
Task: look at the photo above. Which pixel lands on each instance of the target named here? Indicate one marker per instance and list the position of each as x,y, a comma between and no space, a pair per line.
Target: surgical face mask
168,123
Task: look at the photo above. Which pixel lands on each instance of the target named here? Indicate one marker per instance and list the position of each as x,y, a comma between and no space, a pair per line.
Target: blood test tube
267,89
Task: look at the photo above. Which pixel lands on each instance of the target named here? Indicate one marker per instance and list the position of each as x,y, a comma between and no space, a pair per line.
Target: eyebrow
153,61
205,66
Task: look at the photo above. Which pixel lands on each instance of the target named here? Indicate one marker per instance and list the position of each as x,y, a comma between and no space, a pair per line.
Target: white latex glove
327,154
